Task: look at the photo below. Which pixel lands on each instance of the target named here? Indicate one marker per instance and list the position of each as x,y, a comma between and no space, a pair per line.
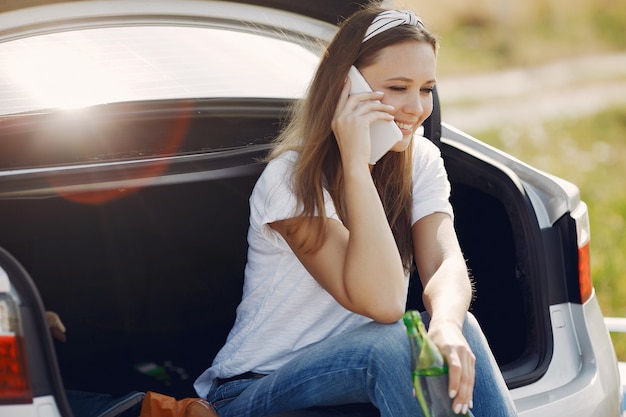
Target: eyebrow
405,79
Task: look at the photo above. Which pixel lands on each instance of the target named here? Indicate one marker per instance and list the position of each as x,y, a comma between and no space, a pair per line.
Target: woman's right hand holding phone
351,123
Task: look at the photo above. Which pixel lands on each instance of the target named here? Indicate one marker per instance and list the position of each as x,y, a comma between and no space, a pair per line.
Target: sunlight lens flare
59,76
81,68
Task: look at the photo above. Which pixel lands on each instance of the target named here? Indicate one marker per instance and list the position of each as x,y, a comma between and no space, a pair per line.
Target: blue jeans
368,365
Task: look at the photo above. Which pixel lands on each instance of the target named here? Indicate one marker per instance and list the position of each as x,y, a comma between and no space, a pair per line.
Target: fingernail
452,394
457,409
464,409
471,404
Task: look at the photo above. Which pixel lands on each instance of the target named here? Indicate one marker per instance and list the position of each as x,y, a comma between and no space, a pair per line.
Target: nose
415,104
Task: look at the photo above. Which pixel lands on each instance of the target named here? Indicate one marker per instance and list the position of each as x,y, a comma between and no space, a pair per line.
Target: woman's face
405,73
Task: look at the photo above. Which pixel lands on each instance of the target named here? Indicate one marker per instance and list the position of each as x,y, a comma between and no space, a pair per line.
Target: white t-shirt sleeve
273,198
431,188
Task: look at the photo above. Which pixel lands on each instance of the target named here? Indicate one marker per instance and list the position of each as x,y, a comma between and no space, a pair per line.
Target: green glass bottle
430,370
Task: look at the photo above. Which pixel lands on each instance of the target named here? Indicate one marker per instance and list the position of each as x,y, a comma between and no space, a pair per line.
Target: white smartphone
383,133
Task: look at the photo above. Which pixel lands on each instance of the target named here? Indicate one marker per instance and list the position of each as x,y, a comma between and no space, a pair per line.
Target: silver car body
582,378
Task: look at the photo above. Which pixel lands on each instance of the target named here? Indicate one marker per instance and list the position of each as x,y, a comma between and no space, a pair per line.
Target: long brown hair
309,133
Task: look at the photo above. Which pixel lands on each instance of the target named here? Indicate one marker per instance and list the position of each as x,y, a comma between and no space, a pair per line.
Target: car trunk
143,260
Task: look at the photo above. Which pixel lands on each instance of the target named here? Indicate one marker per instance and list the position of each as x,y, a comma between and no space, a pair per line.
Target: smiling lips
404,126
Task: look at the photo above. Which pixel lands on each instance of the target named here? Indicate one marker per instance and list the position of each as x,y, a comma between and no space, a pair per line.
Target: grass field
488,35
493,34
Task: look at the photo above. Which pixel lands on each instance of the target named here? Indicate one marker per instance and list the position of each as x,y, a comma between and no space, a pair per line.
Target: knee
476,338
471,322
471,327
472,331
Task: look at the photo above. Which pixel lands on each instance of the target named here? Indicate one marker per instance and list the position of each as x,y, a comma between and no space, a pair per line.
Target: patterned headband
390,19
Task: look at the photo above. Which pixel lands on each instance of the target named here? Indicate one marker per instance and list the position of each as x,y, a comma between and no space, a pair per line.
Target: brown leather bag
159,405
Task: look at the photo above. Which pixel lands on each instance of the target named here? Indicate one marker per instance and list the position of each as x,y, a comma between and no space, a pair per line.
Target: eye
398,88
427,90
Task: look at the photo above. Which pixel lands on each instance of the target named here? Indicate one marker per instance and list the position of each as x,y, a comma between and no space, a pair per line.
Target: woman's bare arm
447,296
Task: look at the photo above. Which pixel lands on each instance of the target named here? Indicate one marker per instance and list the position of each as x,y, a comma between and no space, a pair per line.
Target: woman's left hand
447,295
461,362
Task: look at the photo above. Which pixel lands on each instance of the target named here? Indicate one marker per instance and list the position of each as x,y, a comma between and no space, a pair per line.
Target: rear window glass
116,64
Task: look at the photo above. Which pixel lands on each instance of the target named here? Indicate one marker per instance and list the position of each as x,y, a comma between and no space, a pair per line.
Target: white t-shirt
283,309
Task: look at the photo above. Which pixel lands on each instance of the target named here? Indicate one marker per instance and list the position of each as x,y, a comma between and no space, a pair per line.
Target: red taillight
14,381
14,386
583,236
584,273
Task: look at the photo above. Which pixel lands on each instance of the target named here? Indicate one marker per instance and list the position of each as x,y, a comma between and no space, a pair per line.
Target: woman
332,240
